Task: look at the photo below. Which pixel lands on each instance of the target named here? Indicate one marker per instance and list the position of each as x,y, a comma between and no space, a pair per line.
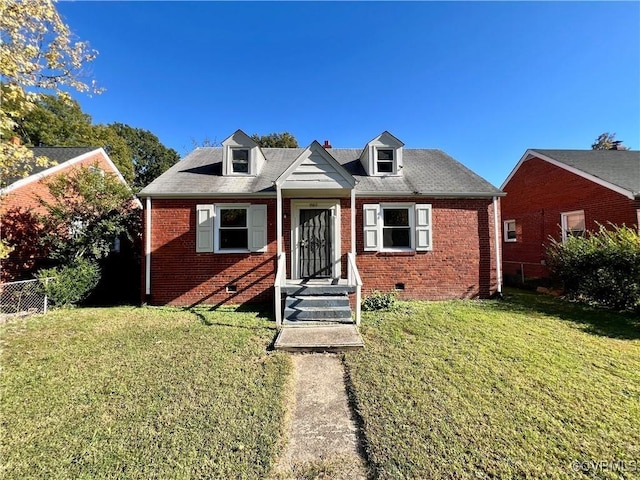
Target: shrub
379,301
70,284
601,268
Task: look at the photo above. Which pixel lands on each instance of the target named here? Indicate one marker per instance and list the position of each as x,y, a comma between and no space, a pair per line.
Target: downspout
497,245
278,220
353,221
147,247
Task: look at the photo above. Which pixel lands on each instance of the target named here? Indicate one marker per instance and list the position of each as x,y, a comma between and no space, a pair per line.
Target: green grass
140,393
519,388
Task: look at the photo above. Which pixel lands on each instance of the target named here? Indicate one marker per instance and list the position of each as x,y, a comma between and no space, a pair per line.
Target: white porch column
353,221
279,219
147,247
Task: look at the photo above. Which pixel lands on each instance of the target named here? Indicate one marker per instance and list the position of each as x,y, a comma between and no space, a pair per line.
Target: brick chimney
327,144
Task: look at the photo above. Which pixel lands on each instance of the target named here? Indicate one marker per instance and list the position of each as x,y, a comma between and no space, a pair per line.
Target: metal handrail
354,279
281,273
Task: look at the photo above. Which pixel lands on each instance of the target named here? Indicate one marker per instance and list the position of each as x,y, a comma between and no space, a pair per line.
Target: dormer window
240,160
241,155
382,156
384,163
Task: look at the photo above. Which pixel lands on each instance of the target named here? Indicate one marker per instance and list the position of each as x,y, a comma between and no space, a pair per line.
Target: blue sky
482,81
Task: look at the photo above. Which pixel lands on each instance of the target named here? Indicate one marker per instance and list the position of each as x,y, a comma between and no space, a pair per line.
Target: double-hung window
510,231
240,160
397,227
397,223
384,160
231,228
573,224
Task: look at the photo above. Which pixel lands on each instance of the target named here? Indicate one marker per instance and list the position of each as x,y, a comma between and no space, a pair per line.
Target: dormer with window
241,155
382,156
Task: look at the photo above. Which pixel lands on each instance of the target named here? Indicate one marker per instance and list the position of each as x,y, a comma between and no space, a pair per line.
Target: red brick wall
536,196
461,265
180,276
27,196
17,211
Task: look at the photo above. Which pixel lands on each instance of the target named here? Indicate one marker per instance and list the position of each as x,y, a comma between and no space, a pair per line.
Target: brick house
20,202
240,223
556,193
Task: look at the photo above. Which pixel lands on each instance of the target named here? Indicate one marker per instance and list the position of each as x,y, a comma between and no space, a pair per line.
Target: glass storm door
315,243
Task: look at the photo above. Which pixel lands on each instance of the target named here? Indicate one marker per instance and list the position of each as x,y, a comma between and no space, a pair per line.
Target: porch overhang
315,169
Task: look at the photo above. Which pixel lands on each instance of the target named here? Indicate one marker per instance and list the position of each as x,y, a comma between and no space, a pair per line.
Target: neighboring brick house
555,193
19,202
223,223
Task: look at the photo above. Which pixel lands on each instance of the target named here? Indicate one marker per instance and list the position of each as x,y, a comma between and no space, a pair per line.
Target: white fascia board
178,196
61,166
532,153
515,169
431,194
56,168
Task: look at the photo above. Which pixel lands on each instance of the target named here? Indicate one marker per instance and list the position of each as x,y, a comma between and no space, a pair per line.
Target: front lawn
530,387
140,393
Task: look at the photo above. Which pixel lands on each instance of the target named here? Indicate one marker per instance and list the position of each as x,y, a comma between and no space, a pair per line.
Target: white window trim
394,161
216,227
249,162
506,231
563,222
411,207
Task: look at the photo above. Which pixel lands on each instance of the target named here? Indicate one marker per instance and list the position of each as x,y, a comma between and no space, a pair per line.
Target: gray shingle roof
57,154
425,172
619,167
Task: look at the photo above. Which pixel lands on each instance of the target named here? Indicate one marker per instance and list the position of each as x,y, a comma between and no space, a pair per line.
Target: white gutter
497,244
147,247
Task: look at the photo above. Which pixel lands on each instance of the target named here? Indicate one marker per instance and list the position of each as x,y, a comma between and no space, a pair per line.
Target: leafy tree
87,211
274,140
38,53
150,157
607,141
55,121
59,121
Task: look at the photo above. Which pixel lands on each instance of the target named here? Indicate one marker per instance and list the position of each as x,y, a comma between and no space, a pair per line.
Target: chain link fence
24,297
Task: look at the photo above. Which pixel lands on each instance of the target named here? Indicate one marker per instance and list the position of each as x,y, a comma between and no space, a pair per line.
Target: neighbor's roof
425,172
57,154
616,169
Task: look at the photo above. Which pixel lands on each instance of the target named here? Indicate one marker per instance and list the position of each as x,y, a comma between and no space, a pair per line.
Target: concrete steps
335,338
305,310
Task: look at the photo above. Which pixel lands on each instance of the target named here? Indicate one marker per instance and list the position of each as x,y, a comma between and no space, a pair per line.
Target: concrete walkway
323,436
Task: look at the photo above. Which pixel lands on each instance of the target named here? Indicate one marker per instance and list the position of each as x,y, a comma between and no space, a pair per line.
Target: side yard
529,387
140,393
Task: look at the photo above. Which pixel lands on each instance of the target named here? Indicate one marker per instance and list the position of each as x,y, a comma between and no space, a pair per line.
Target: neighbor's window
240,160
572,224
384,162
510,231
396,227
233,231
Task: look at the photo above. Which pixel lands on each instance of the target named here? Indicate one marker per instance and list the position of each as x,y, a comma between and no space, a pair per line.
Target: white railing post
281,271
353,277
